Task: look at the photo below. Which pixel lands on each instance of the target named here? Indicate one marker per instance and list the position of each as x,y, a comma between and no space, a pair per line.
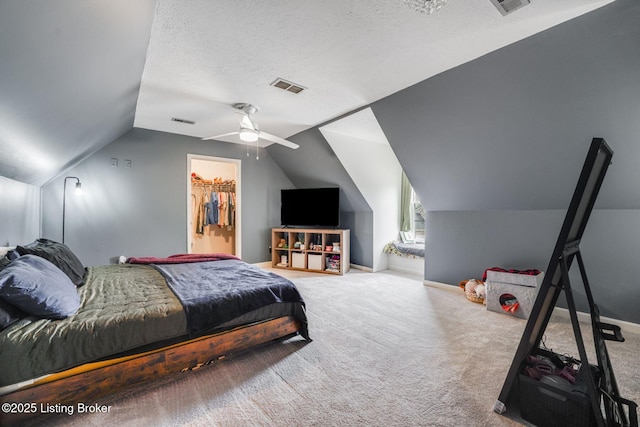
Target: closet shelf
225,186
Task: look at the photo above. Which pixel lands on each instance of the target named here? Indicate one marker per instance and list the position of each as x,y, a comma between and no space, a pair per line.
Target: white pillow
5,249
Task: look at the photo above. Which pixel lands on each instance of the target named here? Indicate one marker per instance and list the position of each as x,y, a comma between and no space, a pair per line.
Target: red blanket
181,258
531,272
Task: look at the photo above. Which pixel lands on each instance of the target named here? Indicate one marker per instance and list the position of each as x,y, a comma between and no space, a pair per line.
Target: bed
93,331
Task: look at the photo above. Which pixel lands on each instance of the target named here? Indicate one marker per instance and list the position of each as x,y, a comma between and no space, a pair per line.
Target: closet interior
213,211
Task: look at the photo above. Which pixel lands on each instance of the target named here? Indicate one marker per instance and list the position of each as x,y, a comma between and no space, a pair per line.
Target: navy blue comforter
216,292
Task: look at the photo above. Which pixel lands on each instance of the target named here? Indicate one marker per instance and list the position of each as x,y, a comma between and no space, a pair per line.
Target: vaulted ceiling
74,76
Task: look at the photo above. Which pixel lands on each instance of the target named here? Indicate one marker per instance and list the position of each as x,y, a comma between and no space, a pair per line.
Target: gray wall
20,212
142,211
494,149
315,164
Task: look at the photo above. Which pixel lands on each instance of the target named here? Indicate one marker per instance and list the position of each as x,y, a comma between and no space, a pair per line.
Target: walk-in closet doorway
213,205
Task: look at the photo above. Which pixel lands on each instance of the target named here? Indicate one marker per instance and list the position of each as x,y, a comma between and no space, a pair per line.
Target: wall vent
507,6
287,85
188,122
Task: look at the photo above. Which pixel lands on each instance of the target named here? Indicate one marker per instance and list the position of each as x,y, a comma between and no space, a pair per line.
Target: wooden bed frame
98,383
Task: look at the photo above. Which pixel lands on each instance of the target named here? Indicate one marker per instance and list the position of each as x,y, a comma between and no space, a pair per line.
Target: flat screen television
310,207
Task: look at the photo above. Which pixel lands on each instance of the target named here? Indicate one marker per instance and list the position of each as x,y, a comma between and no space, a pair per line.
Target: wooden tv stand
310,249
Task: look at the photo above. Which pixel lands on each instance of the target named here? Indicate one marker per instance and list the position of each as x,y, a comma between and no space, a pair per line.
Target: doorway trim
238,227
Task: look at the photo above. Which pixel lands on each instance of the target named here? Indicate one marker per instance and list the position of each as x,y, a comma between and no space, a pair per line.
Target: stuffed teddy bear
474,288
481,291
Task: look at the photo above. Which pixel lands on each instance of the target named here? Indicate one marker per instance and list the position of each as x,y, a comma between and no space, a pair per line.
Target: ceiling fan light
248,135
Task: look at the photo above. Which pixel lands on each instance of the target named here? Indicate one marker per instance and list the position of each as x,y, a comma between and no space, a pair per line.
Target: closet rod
224,186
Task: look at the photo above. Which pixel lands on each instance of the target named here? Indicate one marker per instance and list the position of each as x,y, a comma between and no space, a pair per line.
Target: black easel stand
596,400
607,389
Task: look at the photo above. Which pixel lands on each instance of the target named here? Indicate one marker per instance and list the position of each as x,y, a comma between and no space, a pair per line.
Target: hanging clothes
213,208
200,215
215,204
222,208
231,209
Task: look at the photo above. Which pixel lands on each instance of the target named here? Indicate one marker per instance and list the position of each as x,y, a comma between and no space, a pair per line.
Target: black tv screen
310,207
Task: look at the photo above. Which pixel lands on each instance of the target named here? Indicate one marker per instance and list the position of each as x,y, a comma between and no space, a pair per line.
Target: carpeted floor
386,351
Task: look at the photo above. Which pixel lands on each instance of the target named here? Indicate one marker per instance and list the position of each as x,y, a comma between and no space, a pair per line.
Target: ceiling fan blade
277,140
220,136
246,122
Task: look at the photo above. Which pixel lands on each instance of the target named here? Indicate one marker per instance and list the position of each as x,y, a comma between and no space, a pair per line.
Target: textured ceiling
206,55
75,75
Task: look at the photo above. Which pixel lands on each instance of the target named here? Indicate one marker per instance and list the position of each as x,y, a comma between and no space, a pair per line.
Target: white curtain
405,204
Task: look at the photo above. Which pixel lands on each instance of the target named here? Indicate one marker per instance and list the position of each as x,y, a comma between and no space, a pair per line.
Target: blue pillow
38,288
9,314
4,262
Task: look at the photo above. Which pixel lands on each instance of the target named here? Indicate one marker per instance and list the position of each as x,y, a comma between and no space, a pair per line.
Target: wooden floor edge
98,383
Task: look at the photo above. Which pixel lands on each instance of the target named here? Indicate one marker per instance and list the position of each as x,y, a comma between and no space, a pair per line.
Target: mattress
123,307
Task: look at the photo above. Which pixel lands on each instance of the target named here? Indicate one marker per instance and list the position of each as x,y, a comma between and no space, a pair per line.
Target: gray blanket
215,292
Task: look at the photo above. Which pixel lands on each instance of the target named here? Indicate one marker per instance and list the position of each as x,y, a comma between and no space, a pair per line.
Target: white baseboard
361,267
407,271
586,317
439,285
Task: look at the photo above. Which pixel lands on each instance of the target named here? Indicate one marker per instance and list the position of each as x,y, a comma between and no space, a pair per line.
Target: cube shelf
310,249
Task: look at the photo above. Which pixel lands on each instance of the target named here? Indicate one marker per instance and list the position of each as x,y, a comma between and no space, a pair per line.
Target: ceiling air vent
507,6
287,85
188,122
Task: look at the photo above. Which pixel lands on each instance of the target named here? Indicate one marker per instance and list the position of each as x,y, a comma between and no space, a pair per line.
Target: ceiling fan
249,131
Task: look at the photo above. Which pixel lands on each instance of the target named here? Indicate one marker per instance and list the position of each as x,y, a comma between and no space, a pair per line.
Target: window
417,218
412,214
